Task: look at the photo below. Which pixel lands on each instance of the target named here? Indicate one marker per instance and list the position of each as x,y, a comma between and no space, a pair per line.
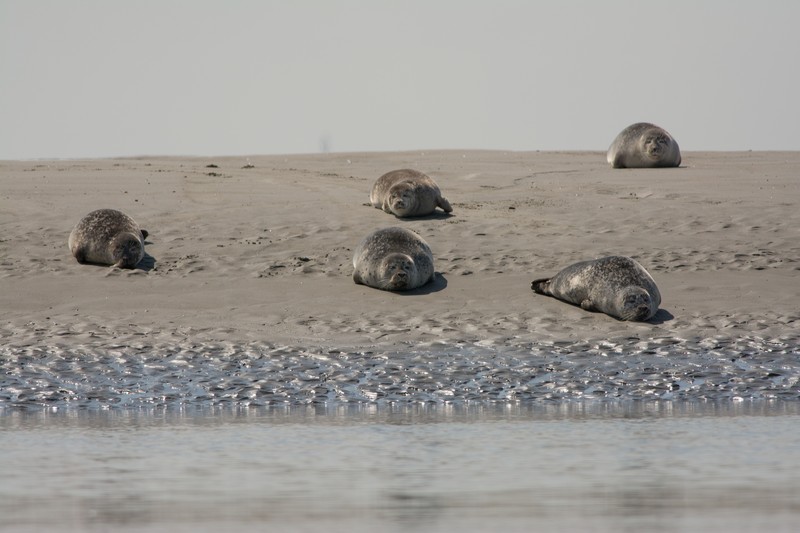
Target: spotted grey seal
644,145
107,237
617,286
407,193
393,259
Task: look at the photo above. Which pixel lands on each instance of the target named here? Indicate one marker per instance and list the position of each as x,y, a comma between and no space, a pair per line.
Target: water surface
524,466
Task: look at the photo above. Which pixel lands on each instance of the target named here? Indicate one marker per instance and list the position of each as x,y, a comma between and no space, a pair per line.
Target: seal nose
400,279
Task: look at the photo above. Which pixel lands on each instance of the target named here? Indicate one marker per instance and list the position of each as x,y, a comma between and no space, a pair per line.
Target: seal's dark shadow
436,215
147,263
661,316
439,283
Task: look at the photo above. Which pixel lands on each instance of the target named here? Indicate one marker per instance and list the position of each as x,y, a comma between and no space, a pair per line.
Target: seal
407,193
107,237
617,286
644,145
393,259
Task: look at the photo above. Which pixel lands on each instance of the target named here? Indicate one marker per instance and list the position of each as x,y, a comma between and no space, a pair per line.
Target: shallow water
607,436
536,466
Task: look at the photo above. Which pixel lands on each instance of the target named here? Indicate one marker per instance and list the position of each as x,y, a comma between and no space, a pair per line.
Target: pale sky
107,78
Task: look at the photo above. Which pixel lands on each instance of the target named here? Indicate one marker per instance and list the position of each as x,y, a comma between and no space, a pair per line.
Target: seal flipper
145,233
588,305
540,286
444,204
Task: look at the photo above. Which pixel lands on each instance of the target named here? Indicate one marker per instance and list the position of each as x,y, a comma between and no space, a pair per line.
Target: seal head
396,272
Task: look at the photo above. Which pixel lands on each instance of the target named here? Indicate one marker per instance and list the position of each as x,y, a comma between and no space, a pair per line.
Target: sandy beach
259,248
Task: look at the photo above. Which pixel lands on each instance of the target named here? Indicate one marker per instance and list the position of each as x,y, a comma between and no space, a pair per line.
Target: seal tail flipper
540,286
445,205
145,233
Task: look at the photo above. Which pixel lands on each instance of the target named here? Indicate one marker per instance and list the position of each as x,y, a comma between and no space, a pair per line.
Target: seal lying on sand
107,237
617,286
393,259
407,193
644,145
